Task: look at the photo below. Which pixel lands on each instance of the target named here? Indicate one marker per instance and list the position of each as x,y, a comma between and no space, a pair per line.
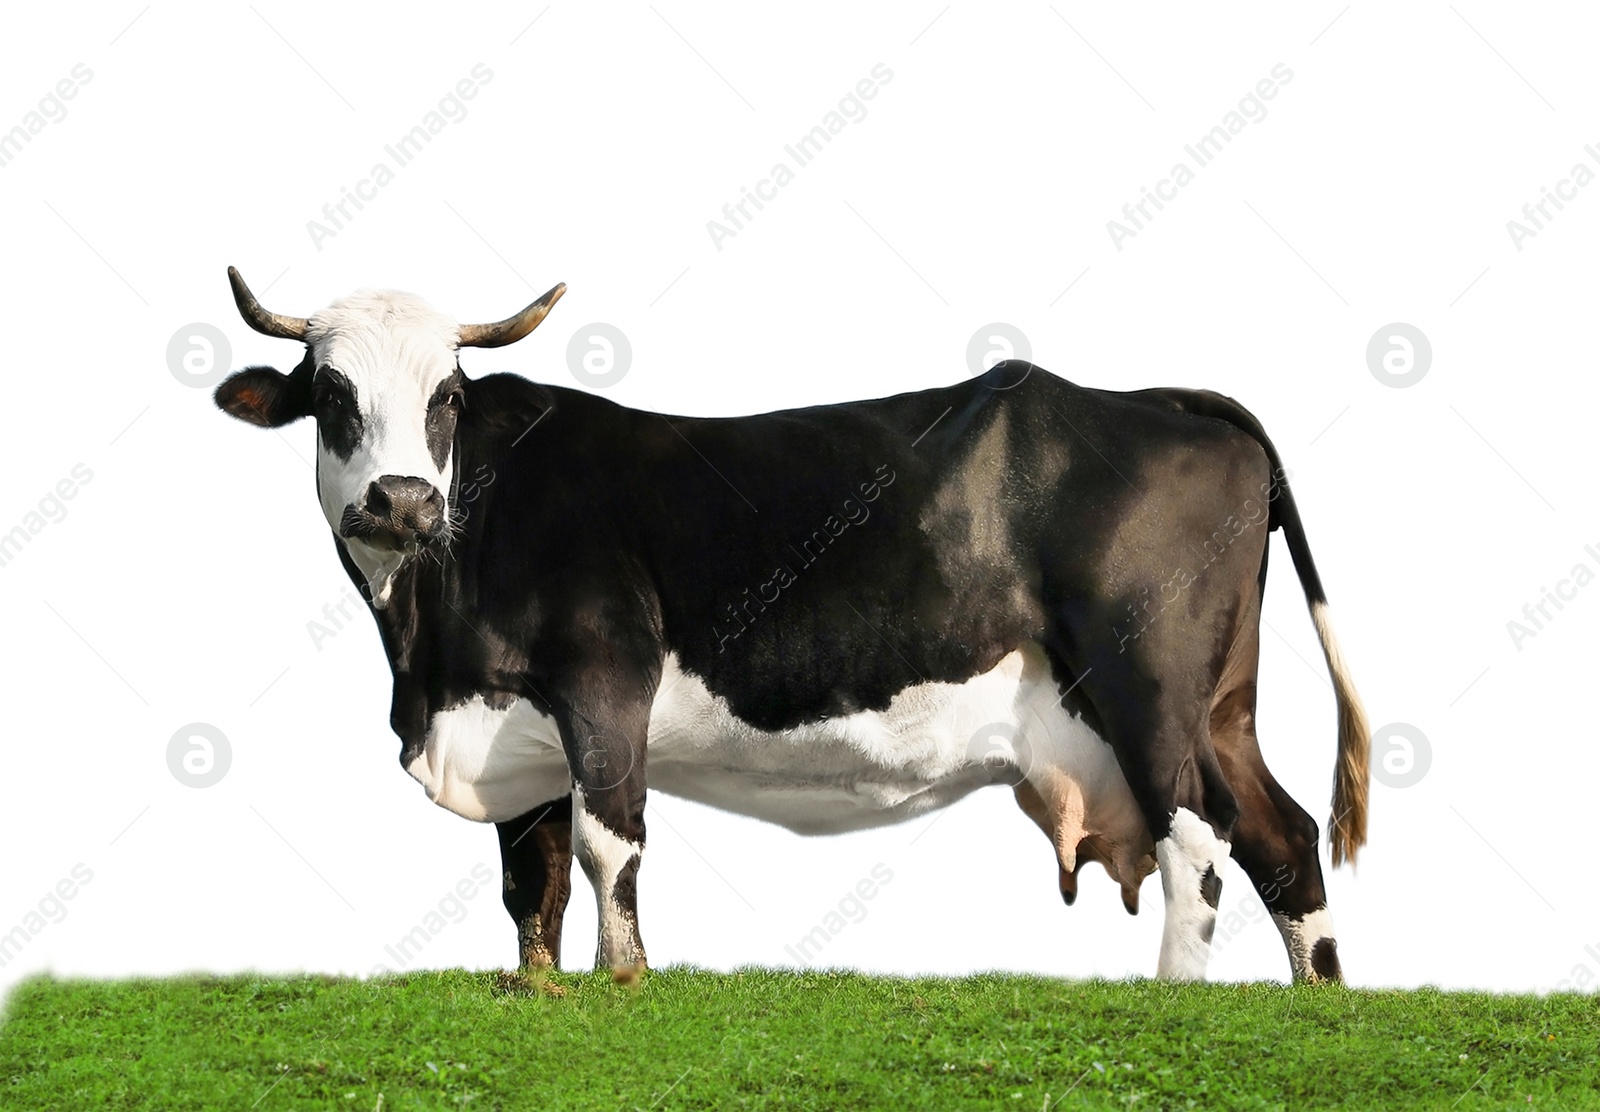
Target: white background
977,188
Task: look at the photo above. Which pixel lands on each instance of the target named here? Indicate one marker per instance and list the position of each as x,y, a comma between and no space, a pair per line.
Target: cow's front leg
536,879
605,749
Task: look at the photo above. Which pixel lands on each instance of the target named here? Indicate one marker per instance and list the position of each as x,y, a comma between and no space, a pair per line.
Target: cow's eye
456,399
332,395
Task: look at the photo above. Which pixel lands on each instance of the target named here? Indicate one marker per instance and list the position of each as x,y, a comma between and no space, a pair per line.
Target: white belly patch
933,744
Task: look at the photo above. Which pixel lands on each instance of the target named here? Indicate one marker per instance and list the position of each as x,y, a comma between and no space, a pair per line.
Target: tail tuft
1347,826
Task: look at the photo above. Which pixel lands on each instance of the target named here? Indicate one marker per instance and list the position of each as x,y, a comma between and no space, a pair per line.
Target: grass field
766,1039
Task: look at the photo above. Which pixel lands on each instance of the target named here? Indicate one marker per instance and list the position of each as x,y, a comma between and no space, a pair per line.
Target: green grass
766,1039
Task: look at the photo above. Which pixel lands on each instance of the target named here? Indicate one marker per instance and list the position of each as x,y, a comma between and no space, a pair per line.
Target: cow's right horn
512,329
271,324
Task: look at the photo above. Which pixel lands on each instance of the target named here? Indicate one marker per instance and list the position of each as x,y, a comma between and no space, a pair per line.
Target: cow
828,618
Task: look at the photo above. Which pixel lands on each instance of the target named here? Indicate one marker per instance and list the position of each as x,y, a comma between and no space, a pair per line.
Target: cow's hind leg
536,879
1191,855
1159,734
1150,698
1275,842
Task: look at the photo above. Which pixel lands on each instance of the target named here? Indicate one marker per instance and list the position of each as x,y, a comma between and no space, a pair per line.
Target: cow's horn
271,324
512,329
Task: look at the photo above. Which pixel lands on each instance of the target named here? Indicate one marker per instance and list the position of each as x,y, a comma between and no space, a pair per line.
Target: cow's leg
536,878
1154,636
1191,855
1152,705
605,750
1275,842
1162,745
610,858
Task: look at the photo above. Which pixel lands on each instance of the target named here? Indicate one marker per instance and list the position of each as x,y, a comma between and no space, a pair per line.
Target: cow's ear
264,396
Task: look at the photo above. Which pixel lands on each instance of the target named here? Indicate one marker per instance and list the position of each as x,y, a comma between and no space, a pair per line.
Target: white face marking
603,855
1300,937
395,350
491,765
1184,856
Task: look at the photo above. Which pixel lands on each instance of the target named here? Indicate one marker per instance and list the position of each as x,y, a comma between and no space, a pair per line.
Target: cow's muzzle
396,512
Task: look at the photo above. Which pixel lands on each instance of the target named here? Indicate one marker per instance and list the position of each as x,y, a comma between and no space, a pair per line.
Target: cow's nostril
378,500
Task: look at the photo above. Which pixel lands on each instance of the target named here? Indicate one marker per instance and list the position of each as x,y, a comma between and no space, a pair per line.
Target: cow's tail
1347,829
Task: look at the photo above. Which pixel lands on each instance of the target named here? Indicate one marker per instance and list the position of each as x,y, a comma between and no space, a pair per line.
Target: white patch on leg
1300,937
603,855
1184,855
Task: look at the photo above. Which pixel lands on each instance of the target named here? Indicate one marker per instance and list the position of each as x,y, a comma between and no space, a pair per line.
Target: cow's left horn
271,324
512,329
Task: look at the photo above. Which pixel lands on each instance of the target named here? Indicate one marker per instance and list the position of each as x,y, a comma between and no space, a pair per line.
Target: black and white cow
828,618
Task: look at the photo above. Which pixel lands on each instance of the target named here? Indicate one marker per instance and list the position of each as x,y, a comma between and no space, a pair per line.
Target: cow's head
381,377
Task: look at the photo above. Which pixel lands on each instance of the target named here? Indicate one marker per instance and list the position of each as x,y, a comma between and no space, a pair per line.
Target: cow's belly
933,744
